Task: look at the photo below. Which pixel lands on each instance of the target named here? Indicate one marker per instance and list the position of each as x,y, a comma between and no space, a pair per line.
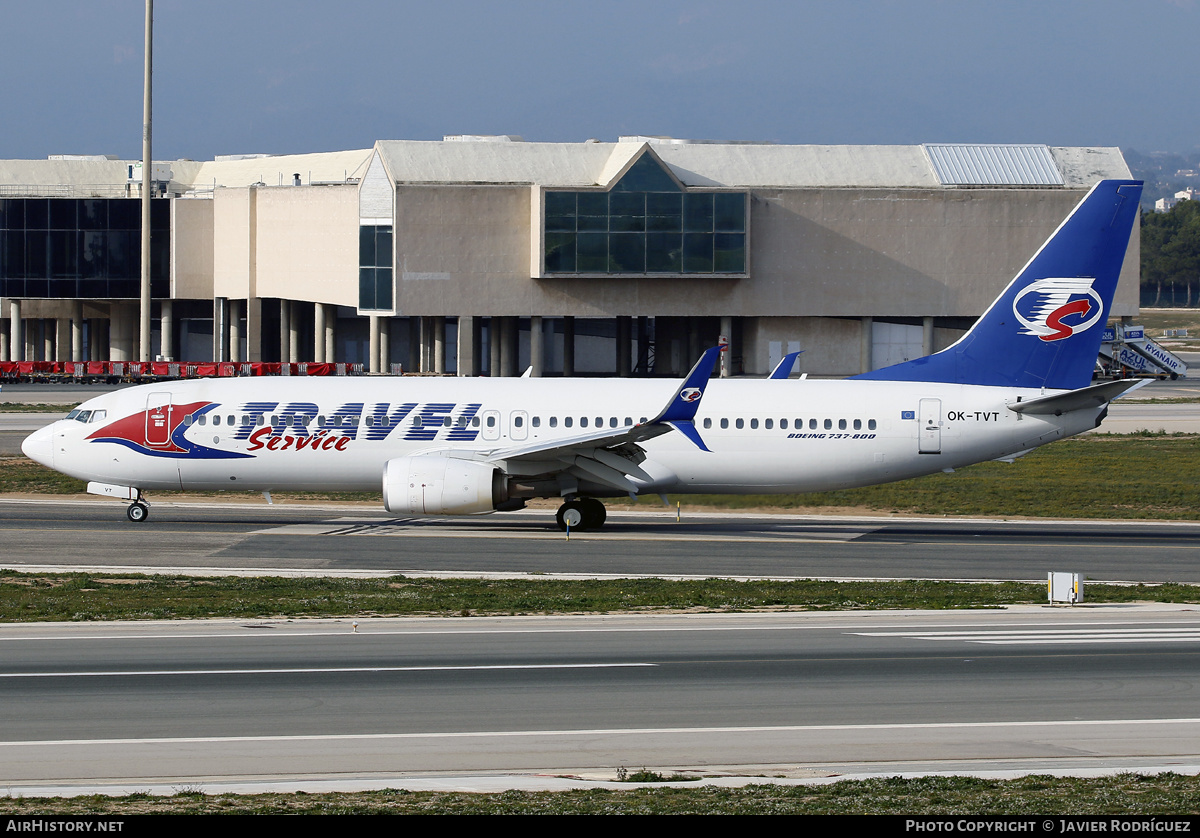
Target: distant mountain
1165,172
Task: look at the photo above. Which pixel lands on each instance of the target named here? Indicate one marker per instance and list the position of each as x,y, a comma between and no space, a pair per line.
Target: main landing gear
581,514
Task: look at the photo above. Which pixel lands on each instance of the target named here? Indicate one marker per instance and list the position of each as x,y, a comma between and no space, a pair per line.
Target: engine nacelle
436,485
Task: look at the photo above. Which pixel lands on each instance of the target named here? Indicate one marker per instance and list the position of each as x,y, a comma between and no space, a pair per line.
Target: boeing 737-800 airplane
1018,379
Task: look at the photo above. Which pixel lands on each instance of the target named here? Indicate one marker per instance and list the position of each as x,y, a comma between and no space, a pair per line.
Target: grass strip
29,597
1122,794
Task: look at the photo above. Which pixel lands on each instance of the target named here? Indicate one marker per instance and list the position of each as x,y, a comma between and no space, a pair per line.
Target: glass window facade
375,267
90,248
646,224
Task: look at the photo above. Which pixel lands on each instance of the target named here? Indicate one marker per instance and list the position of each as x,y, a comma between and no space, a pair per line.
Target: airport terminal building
491,255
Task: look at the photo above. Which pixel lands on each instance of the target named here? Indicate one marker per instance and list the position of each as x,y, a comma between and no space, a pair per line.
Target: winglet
686,401
681,409
784,368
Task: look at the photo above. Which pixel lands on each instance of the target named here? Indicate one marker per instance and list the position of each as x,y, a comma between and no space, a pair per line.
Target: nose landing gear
138,511
581,514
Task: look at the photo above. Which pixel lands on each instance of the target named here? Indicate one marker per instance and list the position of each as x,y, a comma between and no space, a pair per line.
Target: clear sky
276,76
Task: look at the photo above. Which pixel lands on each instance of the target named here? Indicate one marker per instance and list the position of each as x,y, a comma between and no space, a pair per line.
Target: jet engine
434,485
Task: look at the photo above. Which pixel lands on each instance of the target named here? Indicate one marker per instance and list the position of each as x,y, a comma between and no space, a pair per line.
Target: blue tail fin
1045,329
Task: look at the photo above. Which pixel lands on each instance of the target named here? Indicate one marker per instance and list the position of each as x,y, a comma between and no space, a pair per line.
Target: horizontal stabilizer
1088,397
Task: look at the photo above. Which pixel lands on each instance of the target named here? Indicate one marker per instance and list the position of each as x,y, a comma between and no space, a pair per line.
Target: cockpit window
98,415
73,413
83,416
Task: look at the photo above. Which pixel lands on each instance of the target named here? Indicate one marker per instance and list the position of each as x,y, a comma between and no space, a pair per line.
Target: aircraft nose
39,446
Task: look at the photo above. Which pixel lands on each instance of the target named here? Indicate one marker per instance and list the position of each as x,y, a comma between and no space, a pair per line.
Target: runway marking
133,673
775,729
1051,636
439,528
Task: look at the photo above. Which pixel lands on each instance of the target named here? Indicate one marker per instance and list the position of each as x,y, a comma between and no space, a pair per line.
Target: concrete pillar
385,345
439,344
5,339
536,349
330,334
235,331
414,344
62,339
121,327
866,345
319,333
467,344
373,351
252,331
292,355
16,336
423,328
926,335
220,329
494,330
624,336
285,330
727,340
48,327
568,346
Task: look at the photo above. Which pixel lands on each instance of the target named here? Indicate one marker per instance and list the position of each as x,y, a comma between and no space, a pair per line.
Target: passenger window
870,424
754,424
740,423
768,423
828,424
841,424
629,421
812,424
187,420
554,421
370,421
216,419
491,421
858,424
724,424
261,420
707,422
475,422
567,421
229,420
201,419
783,424
518,421
599,421
612,421
537,421
416,423
583,421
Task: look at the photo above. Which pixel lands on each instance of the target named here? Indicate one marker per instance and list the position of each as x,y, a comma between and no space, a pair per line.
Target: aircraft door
491,424
930,419
518,424
158,419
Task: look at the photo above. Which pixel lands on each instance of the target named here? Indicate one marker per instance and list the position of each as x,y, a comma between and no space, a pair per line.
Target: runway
329,540
456,702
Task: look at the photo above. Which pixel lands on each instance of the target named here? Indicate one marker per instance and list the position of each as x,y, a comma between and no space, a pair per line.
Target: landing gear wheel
594,514
571,514
137,512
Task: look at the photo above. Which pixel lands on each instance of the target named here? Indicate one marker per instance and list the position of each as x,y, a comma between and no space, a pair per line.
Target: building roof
596,164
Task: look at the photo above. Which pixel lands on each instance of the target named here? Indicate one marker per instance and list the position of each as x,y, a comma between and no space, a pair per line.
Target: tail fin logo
1058,307
691,394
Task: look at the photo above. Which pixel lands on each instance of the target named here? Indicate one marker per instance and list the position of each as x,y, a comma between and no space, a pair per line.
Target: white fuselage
276,434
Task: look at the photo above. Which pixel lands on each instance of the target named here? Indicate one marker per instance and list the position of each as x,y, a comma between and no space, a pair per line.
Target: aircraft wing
607,455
